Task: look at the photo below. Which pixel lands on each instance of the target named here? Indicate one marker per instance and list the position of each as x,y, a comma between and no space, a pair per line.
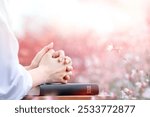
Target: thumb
50,46
40,54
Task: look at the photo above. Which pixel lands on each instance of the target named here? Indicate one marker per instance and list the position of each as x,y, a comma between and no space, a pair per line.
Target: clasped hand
50,66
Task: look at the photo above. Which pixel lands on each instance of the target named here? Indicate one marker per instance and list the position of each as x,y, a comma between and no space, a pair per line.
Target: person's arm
15,81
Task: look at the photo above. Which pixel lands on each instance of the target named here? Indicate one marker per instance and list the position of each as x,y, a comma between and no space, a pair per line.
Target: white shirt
15,81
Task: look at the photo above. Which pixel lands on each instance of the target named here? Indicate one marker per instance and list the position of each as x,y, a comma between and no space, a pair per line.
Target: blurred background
108,40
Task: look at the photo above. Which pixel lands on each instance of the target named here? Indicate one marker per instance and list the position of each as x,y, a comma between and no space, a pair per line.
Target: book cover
69,89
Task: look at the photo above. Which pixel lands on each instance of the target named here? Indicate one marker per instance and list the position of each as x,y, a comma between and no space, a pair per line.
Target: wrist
39,76
34,91
27,67
30,67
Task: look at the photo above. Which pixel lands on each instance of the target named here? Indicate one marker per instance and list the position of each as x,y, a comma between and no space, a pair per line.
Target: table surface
97,97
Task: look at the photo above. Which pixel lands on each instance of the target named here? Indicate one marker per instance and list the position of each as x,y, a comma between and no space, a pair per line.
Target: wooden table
69,98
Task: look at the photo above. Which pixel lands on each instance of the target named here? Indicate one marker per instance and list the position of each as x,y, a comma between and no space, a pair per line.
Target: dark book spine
69,89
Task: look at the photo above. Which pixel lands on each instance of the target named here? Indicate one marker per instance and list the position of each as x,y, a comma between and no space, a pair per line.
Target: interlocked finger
59,53
69,68
67,60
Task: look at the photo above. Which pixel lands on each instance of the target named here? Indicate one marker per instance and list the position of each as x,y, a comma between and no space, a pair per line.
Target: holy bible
69,89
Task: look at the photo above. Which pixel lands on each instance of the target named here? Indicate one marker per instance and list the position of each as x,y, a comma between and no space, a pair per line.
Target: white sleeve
15,81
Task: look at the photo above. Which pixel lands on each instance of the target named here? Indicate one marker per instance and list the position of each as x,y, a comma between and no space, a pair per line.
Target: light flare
69,16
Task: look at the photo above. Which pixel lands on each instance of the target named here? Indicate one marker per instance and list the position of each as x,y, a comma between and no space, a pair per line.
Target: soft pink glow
108,41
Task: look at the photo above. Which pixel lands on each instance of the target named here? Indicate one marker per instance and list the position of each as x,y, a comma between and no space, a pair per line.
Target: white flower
126,90
146,93
138,84
110,47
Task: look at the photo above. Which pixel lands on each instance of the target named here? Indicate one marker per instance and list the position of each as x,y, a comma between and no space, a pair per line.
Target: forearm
15,81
